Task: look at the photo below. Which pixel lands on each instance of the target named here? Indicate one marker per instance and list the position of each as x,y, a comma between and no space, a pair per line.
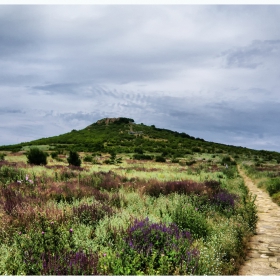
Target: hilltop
123,135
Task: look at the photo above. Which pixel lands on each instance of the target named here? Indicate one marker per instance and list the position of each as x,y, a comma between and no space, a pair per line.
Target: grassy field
191,217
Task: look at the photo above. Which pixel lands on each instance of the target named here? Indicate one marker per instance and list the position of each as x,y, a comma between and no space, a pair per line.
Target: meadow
127,217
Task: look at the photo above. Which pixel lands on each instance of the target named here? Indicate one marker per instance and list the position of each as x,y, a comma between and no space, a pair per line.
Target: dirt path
263,256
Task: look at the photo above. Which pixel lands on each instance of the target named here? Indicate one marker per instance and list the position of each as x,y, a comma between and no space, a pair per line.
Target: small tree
74,159
36,156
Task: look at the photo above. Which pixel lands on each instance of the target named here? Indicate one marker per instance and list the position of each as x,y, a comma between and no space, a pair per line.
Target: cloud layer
210,71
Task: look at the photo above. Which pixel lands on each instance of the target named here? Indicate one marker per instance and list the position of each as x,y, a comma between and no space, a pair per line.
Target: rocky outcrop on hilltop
120,120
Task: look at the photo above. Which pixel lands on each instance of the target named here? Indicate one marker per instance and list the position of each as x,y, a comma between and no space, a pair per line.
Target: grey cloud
53,89
253,55
4,111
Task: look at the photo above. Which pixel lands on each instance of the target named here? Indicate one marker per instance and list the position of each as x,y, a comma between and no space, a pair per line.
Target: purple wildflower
224,199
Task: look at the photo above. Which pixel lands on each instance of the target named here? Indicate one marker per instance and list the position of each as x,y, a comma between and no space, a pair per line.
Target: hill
123,135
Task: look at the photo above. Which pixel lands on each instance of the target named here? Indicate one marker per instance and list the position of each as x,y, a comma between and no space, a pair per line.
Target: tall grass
128,219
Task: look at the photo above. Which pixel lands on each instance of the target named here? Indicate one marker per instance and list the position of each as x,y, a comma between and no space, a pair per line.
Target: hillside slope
122,135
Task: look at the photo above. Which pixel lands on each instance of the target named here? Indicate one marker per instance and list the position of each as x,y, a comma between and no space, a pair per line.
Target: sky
211,71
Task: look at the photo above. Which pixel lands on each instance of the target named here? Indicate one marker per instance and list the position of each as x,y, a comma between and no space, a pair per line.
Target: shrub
224,199
175,160
273,186
88,158
117,200
2,156
92,214
156,242
9,174
36,156
248,212
160,159
229,172
155,187
213,185
37,245
228,160
12,200
54,155
142,157
139,151
108,181
70,263
186,217
74,159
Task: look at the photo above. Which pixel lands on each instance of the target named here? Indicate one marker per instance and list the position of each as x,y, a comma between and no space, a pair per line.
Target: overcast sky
212,71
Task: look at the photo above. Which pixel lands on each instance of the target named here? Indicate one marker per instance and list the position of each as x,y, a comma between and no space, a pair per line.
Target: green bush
175,160
160,159
186,217
248,211
74,159
54,155
273,186
230,172
88,158
226,160
139,151
36,156
2,156
143,157
47,239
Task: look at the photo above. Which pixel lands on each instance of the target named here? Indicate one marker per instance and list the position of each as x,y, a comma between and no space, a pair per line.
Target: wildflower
26,177
30,181
71,230
43,232
104,255
19,233
19,181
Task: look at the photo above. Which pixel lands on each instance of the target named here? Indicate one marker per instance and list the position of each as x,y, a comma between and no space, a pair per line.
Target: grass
266,176
90,214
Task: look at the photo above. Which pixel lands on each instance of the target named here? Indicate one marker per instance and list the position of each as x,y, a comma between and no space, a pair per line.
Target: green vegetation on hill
122,135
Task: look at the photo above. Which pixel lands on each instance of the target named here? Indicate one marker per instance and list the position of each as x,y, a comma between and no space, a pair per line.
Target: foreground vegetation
125,217
119,198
